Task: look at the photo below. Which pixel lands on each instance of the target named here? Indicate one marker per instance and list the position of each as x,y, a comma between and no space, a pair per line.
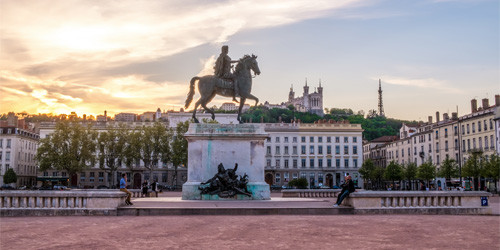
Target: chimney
486,103
437,116
445,117
84,117
105,115
429,118
454,116
497,100
473,105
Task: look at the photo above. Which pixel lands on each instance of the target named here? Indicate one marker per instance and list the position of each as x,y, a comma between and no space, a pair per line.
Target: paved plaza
252,232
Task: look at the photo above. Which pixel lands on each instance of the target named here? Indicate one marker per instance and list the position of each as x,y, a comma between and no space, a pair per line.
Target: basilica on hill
308,102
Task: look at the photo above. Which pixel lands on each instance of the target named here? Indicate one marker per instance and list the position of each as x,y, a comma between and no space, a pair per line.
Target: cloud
423,83
67,55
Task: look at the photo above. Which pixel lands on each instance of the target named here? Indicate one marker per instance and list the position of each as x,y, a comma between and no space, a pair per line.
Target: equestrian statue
225,83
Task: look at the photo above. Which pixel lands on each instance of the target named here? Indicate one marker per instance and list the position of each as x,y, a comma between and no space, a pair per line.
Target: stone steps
162,211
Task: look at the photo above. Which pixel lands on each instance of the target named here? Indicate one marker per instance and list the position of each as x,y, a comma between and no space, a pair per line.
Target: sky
61,56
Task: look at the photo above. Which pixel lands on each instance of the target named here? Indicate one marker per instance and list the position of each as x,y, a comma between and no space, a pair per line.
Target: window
491,124
295,176
463,145
474,143
346,163
473,127
311,163
311,150
408,151
8,143
277,139
303,139
354,139
328,139
337,149
286,139
355,162
355,150
164,177
303,149
303,175
268,140
1,143
278,163
485,125
455,130
286,176
337,139
437,134
446,146
278,178
480,141
268,152
286,163
303,163
320,150
468,129
468,144
294,139
311,138
268,162
294,163
479,126
101,176
414,150
146,176
320,163
329,149
491,142
82,176
346,139
286,150
92,175
294,149
329,162
437,147
346,150
7,156
463,129
445,132
485,142
320,138
277,151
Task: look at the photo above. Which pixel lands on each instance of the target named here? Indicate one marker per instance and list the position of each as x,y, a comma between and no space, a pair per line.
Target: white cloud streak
423,83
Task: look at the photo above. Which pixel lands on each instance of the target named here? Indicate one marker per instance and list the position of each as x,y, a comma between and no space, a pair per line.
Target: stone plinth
212,144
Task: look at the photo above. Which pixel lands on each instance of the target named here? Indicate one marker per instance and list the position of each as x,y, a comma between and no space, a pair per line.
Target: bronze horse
210,85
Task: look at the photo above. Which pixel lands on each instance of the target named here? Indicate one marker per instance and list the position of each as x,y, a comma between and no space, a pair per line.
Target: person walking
347,188
154,187
123,188
145,187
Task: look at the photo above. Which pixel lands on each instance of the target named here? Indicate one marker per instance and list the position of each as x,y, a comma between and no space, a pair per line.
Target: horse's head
248,62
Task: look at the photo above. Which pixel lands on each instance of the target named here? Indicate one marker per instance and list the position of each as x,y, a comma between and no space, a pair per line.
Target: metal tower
380,104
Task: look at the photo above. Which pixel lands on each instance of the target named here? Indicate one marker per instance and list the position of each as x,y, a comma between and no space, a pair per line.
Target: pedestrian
145,188
155,188
347,188
123,188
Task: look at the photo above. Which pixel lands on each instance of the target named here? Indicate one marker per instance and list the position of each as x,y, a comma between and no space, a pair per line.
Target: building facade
308,102
323,153
18,151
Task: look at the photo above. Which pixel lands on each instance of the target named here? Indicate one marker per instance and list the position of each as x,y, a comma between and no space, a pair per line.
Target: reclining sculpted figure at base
225,183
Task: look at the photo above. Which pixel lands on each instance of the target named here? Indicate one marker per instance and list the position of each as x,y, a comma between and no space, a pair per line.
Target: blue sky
133,56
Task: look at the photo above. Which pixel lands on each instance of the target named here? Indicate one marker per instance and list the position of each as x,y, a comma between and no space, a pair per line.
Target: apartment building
323,153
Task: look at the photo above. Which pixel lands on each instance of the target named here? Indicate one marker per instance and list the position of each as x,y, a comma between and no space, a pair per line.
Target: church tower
320,89
306,89
291,95
380,104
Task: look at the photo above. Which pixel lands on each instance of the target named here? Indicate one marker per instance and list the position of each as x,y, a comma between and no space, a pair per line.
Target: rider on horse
223,69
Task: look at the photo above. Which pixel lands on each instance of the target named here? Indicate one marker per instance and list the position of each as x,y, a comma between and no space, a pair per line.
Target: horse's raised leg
250,96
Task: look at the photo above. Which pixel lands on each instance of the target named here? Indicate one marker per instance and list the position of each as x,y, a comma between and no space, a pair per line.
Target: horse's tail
191,92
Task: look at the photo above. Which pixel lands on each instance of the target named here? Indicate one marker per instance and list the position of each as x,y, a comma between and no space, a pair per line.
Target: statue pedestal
212,144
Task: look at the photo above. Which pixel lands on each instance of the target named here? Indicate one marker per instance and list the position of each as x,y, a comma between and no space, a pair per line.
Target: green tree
112,145
409,173
448,169
366,171
393,172
10,176
179,147
492,169
474,166
151,146
71,148
378,176
300,183
426,171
